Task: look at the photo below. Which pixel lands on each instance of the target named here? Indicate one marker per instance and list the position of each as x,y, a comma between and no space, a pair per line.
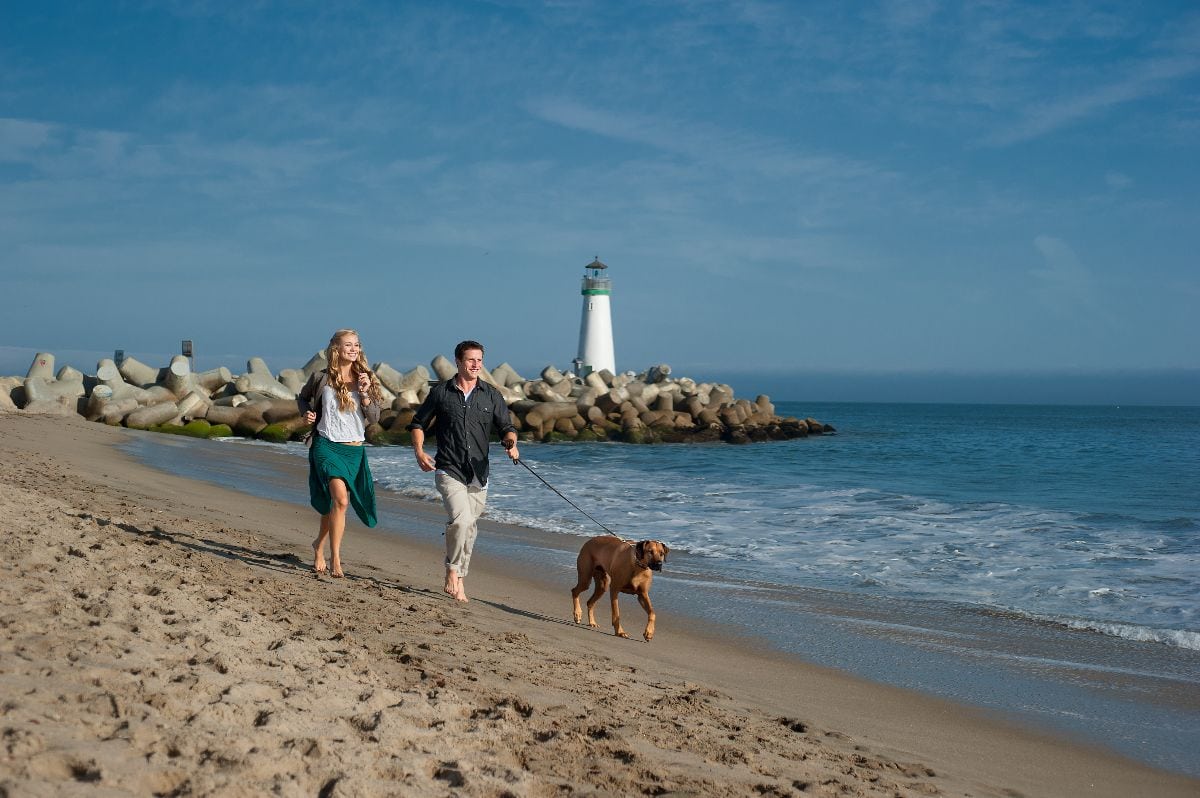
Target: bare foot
318,557
451,587
337,573
461,594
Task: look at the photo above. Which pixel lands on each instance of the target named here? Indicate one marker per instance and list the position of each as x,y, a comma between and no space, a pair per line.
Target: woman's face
348,347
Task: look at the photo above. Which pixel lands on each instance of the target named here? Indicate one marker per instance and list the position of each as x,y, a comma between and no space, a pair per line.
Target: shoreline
515,686
1138,699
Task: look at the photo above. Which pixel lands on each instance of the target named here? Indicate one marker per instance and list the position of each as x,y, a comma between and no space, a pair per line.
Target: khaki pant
464,504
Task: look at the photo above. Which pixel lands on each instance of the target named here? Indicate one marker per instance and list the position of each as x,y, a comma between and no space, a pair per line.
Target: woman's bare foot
318,557
336,570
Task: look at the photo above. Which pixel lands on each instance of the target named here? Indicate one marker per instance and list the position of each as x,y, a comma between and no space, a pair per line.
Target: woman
339,402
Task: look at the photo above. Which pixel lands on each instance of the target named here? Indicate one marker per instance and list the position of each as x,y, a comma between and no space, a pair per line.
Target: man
466,410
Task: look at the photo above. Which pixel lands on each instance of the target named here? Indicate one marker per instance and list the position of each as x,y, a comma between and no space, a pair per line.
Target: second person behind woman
340,402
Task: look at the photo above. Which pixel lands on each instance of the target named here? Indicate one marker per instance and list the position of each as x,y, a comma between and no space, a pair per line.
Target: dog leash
564,498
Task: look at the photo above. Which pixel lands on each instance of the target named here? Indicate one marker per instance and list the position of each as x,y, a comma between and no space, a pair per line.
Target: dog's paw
648,634
621,633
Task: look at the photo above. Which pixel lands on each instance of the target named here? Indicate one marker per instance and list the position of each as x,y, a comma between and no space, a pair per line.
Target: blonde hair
359,366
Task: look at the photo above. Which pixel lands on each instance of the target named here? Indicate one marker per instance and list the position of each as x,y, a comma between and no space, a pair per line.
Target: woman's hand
364,388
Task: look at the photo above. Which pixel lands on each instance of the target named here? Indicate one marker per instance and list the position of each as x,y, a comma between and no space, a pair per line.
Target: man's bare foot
451,587
461,594
318,557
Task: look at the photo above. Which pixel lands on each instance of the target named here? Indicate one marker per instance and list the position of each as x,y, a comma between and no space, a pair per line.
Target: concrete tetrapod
443,368
292,379
138,373
389,377
264,384
224,414
40,389
114,412
110,376
214,379
194,405
416,379
545,414
100,399
507,376
146,417
256,365
552,376
178,377
315,363
595,380
42,366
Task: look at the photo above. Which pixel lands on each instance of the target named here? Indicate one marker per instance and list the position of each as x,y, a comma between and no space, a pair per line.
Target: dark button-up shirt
463,425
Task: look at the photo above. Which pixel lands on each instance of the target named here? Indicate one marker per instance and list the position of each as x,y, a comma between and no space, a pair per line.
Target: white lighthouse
595,327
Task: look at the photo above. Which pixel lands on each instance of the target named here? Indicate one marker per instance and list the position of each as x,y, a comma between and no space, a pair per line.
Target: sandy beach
163,636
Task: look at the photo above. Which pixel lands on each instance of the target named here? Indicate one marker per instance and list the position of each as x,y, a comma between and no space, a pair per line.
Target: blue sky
850,188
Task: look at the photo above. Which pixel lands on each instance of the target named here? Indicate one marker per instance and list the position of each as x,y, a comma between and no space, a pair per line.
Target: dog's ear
641,550
666,550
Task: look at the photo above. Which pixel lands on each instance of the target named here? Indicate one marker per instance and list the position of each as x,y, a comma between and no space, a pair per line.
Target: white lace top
338,425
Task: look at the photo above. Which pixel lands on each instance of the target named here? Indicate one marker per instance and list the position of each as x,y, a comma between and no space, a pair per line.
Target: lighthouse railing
597,284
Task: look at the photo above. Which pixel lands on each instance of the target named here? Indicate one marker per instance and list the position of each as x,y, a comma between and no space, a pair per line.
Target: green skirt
329,460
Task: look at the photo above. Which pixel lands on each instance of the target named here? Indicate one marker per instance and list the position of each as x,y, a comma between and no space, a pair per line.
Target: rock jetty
649,407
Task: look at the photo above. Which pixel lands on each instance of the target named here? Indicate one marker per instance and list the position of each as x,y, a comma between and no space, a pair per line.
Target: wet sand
1139,699
163,635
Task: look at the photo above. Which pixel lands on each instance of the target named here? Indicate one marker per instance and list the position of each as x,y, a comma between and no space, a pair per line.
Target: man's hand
425,461
510,448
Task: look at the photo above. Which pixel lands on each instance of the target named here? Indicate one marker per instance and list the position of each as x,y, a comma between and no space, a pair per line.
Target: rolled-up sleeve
425,412
371,413
501,420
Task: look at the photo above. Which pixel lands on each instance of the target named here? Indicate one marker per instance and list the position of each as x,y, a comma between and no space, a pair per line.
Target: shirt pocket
480,415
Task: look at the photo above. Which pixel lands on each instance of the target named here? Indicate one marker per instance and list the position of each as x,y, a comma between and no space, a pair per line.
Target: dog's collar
636,561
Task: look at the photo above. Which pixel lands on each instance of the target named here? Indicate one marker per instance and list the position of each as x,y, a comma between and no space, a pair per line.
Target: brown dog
619,566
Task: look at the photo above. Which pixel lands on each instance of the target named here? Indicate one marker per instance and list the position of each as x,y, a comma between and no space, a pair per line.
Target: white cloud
1118,180
20,139
1064,283
1147,79
906,15
709,144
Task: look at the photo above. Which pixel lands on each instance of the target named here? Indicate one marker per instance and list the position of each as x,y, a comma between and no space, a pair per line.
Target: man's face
470,364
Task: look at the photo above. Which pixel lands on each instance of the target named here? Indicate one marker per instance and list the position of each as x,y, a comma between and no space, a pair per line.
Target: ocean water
1086,516
1039,562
